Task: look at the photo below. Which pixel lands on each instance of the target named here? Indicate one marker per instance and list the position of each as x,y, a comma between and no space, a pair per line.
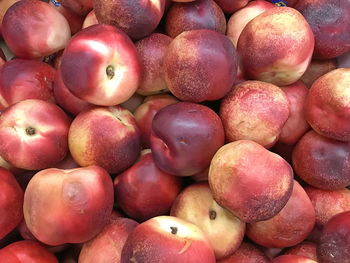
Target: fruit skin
321,162
49,30
231,6
11,202
334,243
106,76
105,136
90,19
326,107
68,206
26,251
248,180
137,19
4,5
305,249
189,64
316,69
144,191
185,137
270,54
80,7
167,239
196,205
33,134
292,259
22,79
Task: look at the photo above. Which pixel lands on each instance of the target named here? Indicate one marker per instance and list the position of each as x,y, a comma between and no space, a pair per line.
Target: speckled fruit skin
305,249
327,105
290,226
22,79
248,180
334,246
276,46
153,241
292,259
231,6
11,202
185,137
105,136
200,14
246,253
321,162
84,67
152,50
26,251
50,31
68,206
136,18
316,69
33,134
108,244
254,110
190,62
144,191
332,33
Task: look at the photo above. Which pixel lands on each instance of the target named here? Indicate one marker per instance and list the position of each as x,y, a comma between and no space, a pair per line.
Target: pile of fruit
183,131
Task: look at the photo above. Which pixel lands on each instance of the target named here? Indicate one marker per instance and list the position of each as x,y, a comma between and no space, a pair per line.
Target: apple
249,181
196,205
68,206
11,202
144,191
167,239
105,136
49,30
108,244
152,50
276,46
90,19
200,14
112,60
189,64
292,259
322,162
137,19
316,69
33,134
305,249
254,110
22,79
185,137
326,107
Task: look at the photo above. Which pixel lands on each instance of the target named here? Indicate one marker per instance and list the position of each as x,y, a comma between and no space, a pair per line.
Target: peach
231,6
34,29
335,240
256,111
185,137
316,69
189,64
145,113
105,136
26,251
200,14
11,202
305,249
108,244
137,19
80,7
4,5
276,46
321,162
246,253
241,18
112,61
167,239
152,50
65,98
22,79
290,226
144,191
196,205
292,259
296,125
68,206
33,134
327,105
249,181
332,33
90,19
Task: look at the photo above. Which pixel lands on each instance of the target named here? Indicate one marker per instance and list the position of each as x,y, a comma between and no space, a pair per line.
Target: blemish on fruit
110,72
30,131
173,230
212,214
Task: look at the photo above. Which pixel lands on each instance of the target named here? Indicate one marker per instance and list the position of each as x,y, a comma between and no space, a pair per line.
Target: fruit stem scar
110,71
212,214
173,230
30,131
